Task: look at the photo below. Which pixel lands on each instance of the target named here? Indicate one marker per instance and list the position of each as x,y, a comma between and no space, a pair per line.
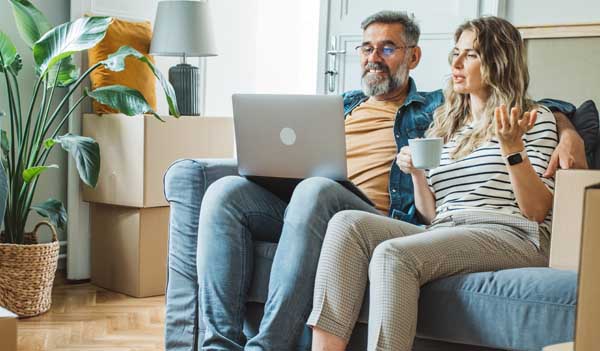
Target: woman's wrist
418,175
511,148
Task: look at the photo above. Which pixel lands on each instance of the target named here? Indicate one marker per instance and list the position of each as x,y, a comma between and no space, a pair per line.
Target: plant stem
62,102
10,223
38,131
42,161
62,122
18,107
34,144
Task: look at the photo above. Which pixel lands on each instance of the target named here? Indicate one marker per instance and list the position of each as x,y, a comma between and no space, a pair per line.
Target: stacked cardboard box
129,214
587,337
567,216
575,245
8,330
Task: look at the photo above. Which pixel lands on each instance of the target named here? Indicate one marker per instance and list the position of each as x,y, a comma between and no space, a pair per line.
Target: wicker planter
28,274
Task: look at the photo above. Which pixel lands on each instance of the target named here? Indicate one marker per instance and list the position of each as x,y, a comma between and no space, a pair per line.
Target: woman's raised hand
510,129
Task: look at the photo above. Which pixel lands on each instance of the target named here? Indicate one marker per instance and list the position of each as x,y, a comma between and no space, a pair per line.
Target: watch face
514,159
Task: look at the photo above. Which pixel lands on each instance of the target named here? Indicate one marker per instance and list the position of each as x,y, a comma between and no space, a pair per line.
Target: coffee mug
426,152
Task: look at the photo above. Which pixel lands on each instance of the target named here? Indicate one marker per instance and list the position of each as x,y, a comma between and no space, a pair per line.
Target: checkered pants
397,258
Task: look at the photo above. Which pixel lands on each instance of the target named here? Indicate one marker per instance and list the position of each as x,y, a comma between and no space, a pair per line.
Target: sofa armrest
185,183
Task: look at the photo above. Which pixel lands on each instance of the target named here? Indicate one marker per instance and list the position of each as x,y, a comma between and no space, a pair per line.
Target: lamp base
185,80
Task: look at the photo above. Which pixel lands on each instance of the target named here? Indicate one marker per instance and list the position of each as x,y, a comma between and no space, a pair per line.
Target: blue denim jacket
412,120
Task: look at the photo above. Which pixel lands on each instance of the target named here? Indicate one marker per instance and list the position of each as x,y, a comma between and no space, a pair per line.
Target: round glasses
384,51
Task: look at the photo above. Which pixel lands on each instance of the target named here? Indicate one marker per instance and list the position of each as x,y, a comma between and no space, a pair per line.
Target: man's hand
569,153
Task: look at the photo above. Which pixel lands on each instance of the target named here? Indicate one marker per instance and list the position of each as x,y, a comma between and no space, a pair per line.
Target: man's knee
224,191
315,192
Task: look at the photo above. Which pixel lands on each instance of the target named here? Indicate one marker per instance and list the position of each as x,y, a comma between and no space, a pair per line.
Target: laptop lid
290,136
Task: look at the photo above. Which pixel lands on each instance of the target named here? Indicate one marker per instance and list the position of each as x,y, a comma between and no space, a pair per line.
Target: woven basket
27,274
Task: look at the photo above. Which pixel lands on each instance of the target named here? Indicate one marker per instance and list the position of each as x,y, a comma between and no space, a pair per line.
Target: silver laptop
291,137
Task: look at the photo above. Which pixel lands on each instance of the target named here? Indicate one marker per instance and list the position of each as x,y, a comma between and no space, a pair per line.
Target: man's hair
411,28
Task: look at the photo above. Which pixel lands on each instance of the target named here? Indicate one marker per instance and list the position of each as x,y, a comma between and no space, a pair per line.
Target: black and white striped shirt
480,181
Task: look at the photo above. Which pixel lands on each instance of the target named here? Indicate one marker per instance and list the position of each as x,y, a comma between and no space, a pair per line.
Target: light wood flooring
84,317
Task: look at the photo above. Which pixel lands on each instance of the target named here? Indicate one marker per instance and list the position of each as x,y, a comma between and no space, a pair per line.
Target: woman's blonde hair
503,71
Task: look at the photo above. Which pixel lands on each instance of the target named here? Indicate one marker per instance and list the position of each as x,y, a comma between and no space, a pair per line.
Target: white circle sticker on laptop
287,136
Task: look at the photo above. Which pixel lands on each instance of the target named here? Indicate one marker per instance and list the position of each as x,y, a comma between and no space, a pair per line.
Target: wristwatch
515,158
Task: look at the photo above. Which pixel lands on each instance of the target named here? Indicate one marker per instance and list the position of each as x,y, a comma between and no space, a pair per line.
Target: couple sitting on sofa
486,207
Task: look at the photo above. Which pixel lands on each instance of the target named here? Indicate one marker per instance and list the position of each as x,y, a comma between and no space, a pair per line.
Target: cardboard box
587,321
8,330
129,249
567,216
568,346
136,151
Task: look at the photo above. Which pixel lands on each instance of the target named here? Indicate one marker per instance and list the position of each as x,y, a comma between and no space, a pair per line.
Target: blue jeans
235,212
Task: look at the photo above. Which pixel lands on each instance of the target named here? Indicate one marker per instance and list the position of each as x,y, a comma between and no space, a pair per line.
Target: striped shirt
480,180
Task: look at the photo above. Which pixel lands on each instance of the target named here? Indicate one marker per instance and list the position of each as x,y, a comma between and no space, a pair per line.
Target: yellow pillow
136,75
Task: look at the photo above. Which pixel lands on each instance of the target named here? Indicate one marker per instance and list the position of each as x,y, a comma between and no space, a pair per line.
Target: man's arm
570,152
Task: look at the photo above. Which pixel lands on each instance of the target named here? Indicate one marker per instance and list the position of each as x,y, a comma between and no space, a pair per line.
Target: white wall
540,12
264,46
52,183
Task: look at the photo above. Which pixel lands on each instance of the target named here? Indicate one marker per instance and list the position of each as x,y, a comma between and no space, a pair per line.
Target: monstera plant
30,133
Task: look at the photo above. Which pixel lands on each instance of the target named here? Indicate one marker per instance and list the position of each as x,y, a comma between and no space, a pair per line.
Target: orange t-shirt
371,148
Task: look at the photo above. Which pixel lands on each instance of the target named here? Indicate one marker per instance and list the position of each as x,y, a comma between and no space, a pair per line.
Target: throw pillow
587,123
136,75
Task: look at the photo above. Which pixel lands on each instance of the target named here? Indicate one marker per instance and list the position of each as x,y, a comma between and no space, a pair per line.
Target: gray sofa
516,309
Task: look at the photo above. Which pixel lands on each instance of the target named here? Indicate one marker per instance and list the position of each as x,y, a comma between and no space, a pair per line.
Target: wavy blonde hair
503,71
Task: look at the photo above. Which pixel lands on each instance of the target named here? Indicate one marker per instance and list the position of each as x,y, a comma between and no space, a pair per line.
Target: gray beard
372,85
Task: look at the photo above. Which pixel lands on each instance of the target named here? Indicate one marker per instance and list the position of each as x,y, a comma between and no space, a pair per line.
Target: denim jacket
412,120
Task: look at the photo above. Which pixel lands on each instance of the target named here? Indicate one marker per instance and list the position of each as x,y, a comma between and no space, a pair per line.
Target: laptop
282,139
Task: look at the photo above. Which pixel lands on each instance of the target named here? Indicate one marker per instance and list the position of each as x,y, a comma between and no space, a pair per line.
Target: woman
487,203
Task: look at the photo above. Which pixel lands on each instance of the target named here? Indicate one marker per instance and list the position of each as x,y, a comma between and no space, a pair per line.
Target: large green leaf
31,22
16,65
67,39
67,74
124,99
54,211
8,51
30,173
86,153
116,62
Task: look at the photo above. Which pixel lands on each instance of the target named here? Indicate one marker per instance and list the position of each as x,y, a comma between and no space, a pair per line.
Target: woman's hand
404,161
510,129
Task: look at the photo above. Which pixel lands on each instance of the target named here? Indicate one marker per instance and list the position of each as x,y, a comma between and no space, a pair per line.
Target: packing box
567,216
129,249
136,151
587,337
8,330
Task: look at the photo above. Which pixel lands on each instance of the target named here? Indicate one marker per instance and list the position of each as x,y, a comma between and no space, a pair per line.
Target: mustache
376,66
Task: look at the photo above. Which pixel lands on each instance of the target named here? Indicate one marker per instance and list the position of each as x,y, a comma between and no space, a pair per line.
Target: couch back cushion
587,123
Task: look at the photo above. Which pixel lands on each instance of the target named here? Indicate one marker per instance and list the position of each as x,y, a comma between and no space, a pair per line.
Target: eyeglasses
385,51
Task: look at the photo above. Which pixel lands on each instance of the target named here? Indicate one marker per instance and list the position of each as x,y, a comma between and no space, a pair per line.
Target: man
235,211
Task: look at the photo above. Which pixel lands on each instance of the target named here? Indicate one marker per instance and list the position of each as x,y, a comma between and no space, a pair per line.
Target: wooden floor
84,317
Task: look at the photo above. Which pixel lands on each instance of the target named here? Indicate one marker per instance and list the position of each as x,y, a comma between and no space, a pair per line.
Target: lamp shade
183,28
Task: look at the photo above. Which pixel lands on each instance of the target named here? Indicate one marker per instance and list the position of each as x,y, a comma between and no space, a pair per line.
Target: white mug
425,152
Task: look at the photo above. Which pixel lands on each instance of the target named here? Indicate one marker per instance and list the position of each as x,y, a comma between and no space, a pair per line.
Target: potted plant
27,267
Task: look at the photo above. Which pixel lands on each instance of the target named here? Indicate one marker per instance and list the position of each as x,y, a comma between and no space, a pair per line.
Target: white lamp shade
183,28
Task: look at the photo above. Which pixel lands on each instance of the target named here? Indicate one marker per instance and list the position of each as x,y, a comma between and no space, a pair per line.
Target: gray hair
411,28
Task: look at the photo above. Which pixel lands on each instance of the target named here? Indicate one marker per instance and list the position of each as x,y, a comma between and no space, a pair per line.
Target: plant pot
27,274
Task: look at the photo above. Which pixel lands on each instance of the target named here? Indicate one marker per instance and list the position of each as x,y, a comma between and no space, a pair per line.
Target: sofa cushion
587,123
514,309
